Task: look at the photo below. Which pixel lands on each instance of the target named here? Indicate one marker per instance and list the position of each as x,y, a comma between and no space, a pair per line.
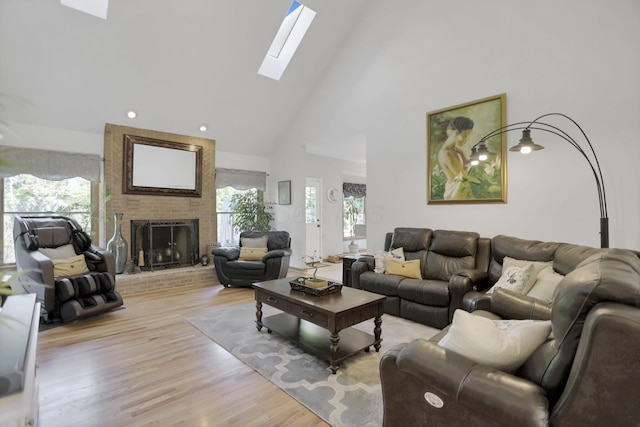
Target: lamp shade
526,144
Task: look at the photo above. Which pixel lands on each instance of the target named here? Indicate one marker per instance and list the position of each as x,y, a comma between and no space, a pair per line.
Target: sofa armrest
276,253
477,277
363,264
461,283
511,305
230,254
100,259
470,390
474,300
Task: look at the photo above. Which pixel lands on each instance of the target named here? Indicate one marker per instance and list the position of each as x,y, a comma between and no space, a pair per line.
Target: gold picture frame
451,133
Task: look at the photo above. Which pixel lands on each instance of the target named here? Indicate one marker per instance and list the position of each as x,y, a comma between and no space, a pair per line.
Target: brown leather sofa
452,263
564,256
585,374
73,296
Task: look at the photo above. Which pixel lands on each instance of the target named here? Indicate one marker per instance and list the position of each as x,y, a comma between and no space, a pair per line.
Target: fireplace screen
165,243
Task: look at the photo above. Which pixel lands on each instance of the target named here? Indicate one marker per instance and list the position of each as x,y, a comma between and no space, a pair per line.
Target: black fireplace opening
165,243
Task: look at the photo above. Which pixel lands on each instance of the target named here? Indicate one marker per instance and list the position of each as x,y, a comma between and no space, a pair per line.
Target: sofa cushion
411,239
428,292
531,250
568,256
404,268
383,284
449,253
503,344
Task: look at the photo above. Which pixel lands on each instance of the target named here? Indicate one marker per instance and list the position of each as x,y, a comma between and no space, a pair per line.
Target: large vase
117,245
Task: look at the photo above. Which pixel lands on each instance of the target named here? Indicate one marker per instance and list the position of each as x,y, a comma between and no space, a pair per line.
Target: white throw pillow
61,252
513,278
381,258
545,285
502,344
537,267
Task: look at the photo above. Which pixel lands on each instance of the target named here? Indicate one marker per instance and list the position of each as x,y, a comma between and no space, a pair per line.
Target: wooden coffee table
321,324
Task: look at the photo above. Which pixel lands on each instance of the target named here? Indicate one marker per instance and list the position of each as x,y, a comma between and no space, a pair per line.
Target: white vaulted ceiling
178,64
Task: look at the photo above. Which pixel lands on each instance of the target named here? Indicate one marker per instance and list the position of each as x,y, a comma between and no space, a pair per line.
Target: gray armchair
585,374
274,264
66,296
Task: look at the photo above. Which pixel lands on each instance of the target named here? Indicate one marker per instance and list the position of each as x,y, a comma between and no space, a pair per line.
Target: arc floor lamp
479,153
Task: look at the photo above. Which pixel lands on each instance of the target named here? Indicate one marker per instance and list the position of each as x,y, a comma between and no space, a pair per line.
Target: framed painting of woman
451,134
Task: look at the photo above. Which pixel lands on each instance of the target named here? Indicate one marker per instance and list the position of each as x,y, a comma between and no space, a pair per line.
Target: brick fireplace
158,207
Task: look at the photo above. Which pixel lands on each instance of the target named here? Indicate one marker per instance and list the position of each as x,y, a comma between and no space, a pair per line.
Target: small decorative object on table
314,287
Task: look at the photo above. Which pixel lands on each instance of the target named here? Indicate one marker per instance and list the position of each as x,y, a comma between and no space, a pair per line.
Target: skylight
293,28
92,7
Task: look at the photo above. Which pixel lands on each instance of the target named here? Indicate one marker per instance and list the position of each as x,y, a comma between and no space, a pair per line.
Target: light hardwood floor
147,366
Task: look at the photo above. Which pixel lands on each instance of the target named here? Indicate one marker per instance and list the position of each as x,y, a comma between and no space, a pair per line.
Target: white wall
576,57
48,138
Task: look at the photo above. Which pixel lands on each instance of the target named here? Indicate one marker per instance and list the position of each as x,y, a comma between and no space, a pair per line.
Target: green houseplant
250,212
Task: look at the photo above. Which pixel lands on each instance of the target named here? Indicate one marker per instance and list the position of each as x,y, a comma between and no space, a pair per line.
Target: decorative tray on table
315,287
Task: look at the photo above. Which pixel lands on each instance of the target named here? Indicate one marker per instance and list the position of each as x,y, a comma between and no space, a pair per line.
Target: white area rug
352,397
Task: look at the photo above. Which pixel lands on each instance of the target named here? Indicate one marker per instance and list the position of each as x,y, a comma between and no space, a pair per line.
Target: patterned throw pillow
514,279
381,258
537,267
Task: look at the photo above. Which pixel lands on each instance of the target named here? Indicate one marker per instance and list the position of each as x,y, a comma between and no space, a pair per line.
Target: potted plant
250,212
351,212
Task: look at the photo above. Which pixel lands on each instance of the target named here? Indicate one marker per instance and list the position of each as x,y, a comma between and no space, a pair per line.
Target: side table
347,261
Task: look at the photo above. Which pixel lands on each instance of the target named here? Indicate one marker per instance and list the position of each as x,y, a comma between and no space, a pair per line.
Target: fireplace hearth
159,244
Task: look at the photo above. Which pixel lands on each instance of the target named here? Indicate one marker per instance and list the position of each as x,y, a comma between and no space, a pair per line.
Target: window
354,212
26,194
230,182
228,235
356,205
311,201
293,28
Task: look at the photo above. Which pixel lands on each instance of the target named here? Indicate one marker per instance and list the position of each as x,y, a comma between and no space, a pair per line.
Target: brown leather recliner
585,374
231,270
72,296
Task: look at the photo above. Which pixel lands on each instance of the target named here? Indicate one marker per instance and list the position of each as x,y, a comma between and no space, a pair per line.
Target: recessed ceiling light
1,135
203,128
132,114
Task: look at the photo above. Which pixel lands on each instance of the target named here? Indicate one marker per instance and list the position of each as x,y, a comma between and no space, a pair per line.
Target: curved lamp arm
526,141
